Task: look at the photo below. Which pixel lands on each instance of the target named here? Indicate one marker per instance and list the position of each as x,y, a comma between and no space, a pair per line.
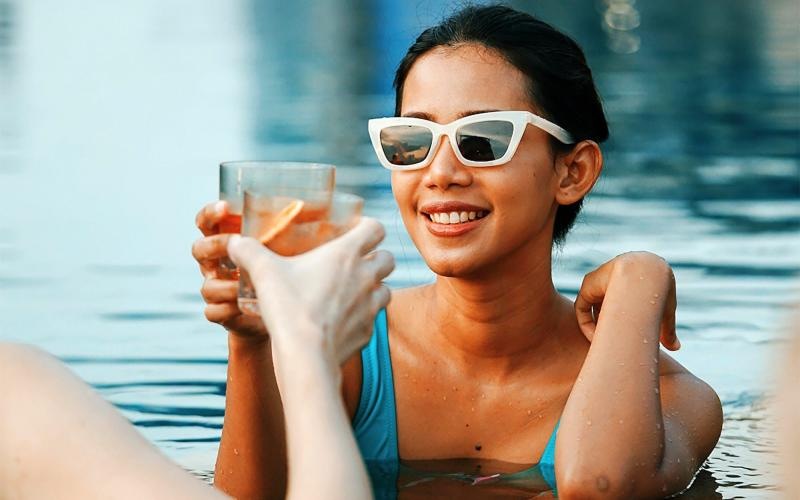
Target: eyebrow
427,116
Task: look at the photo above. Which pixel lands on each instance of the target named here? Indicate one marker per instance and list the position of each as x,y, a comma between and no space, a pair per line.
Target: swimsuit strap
547,463
375,422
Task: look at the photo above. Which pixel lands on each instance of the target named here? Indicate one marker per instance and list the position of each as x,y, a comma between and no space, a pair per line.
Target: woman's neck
498,319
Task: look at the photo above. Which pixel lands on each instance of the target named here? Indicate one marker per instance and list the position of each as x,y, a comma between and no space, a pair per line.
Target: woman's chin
454,266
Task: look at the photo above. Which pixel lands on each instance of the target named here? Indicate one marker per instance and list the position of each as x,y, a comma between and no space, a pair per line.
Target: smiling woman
489,375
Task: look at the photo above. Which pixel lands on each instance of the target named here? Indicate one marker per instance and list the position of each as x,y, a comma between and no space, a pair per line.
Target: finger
210,248
250,254
590,296
209,216
220,313
365,236
217,291
381,263
380,298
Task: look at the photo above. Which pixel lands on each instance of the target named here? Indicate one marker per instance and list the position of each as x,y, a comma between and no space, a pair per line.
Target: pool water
114,117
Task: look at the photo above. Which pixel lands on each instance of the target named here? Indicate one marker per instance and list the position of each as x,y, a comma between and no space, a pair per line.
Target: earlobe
578,171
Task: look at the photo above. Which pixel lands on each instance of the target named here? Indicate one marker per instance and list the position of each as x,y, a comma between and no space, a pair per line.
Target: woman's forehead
450,80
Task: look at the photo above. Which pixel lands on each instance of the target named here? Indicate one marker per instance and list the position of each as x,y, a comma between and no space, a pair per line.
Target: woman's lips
452,218
458,229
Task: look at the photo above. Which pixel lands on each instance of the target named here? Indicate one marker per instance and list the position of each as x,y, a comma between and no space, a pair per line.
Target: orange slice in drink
282,220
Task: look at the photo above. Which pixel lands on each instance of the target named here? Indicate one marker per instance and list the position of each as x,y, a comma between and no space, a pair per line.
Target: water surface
113,118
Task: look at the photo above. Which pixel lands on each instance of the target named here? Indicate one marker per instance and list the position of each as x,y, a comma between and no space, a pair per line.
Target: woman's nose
445,170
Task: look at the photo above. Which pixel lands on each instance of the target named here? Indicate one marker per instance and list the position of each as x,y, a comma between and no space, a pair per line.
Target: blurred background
115,115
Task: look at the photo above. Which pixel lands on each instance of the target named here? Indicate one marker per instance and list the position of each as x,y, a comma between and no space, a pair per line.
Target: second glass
293,222
236,176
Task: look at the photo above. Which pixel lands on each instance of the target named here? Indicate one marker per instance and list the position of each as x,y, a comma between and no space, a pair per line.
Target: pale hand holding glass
236,176
291,223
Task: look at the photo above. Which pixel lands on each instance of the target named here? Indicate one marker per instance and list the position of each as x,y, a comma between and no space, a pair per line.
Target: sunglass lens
406,144
484,141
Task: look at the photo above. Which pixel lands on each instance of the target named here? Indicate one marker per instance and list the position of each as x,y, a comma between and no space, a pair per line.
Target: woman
60,439
490,363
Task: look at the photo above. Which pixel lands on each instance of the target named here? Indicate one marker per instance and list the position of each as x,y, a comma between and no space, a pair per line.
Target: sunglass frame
518,119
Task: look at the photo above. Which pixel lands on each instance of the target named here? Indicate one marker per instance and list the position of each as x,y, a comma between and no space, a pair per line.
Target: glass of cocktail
234,176
292,222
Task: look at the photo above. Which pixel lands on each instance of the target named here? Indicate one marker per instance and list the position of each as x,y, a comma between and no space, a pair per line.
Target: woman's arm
632,427
251,460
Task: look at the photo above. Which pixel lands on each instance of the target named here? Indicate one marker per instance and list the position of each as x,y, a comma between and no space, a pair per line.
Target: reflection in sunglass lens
406,144
484,141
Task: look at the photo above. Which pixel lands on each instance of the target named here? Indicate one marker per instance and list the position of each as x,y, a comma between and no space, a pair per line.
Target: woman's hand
218,290
327,297
633,265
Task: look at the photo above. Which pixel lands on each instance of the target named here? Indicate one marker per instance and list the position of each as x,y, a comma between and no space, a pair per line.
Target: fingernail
219,207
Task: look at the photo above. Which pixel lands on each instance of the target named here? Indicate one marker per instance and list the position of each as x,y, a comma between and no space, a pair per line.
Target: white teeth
455,217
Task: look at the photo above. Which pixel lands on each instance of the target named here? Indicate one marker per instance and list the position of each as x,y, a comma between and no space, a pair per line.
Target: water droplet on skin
653,302
655,295
444,398
455,388
652,369
540,415
645,341
588,422
529,412
641,277
483,396
622,364
472,409
656,389
235,451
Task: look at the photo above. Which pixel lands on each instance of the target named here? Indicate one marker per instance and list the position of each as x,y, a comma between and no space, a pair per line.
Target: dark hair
561,85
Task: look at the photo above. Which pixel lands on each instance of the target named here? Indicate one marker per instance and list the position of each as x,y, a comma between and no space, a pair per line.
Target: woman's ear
578,170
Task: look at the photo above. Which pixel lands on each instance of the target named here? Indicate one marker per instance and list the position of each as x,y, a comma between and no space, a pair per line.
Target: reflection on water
110,133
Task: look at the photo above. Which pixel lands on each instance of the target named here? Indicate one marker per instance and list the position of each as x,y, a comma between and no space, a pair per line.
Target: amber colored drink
287,226
232,223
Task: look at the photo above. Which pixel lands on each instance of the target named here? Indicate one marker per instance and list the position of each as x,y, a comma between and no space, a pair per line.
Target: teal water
114,116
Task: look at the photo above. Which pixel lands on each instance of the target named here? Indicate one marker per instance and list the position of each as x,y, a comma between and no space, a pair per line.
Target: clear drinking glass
234,176
293,222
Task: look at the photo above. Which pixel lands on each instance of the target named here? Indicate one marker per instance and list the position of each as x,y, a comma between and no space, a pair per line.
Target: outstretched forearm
325,460
251,462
